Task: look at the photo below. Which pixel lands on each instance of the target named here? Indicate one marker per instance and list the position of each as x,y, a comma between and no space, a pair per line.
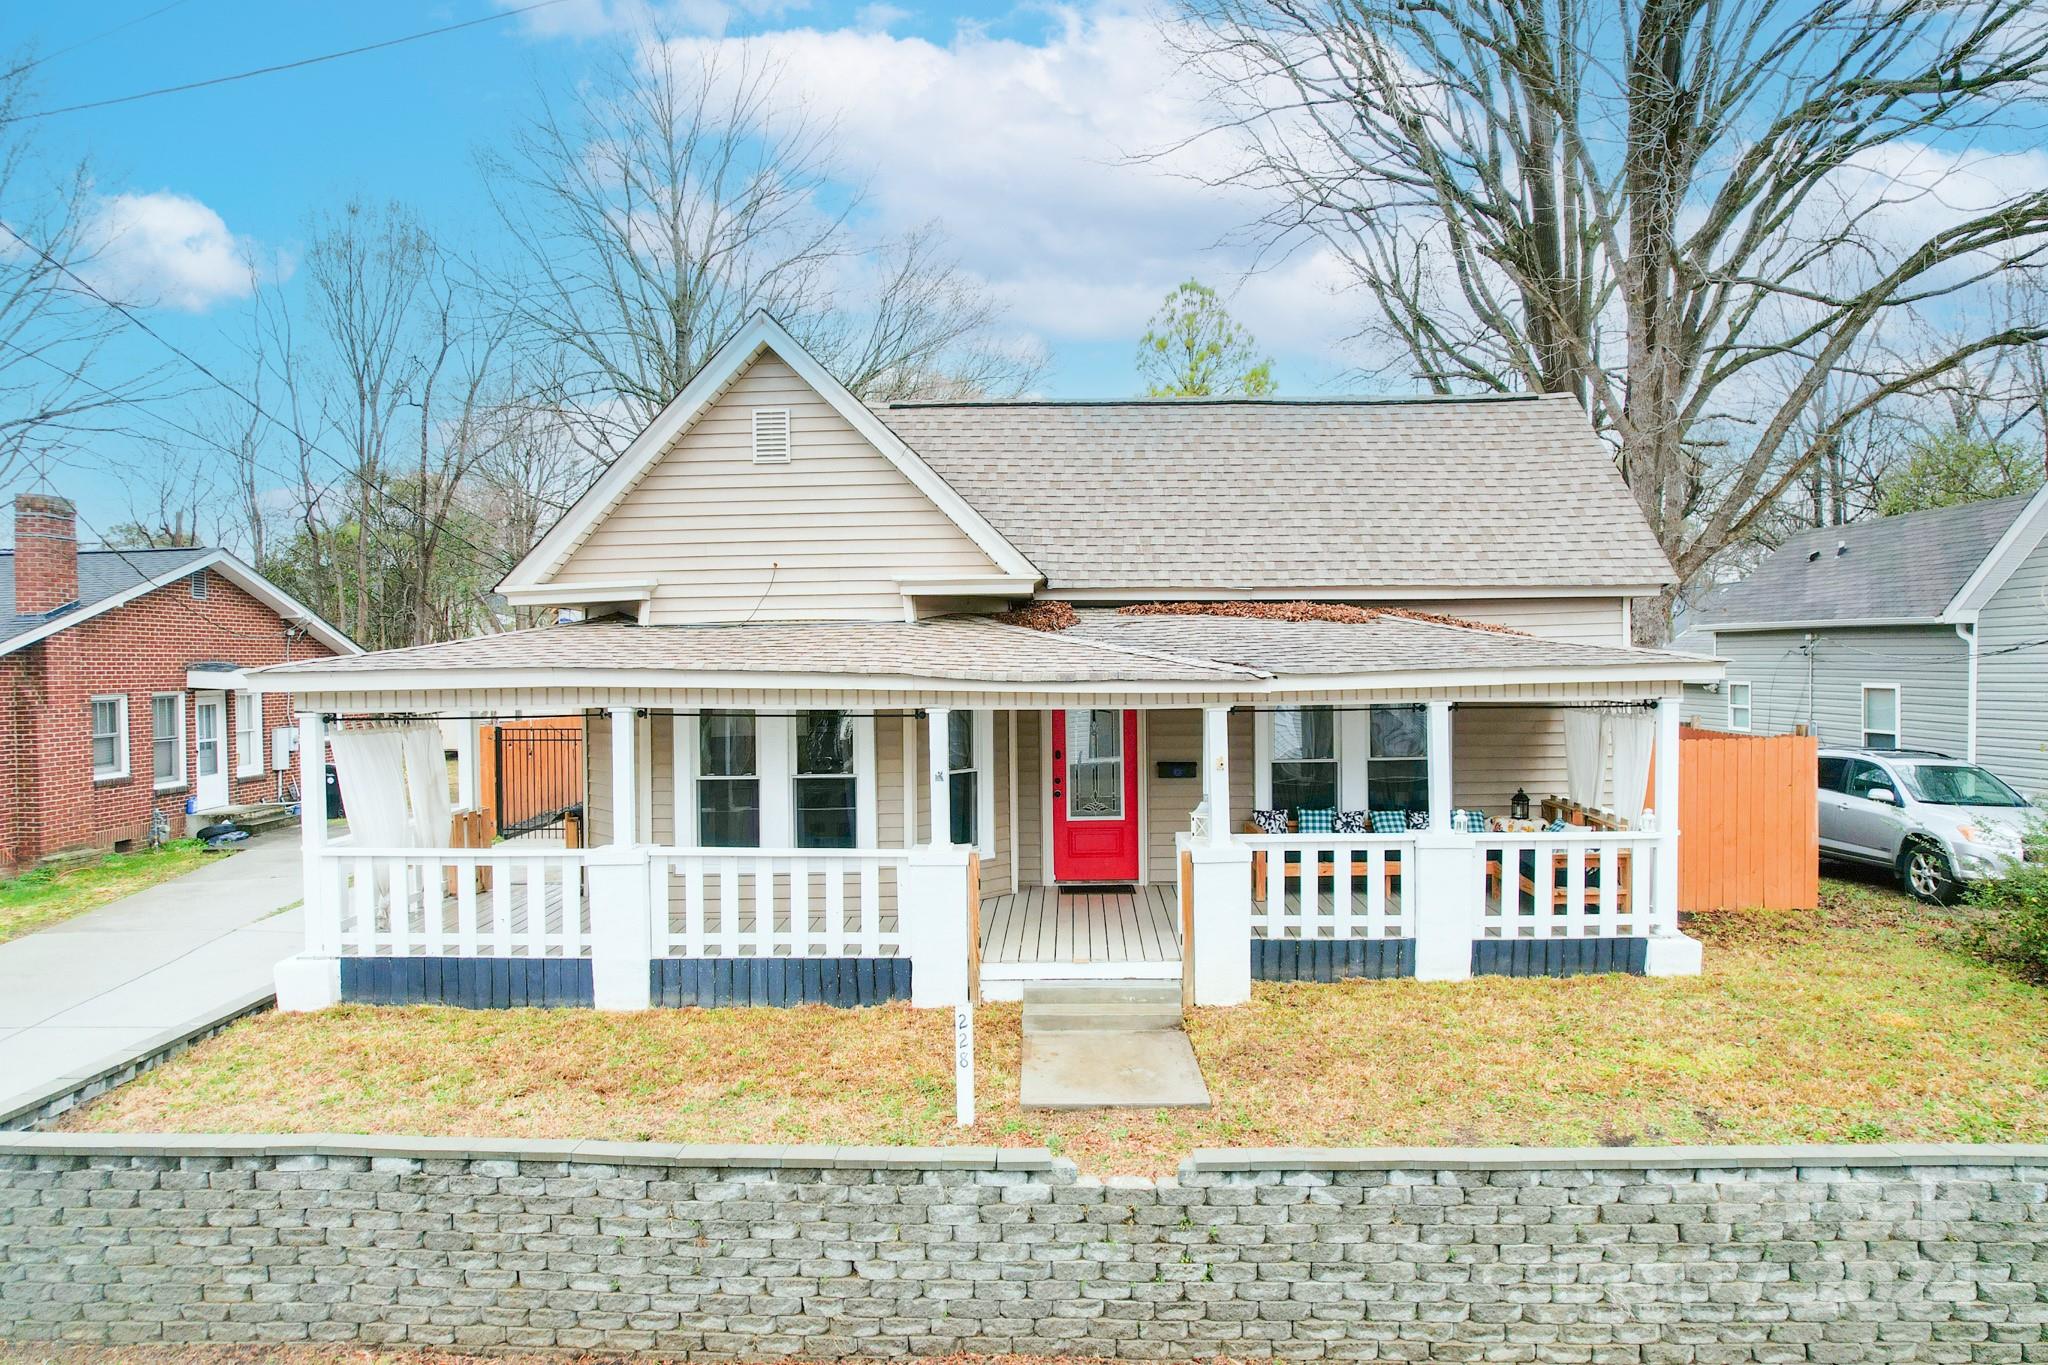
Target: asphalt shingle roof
1103,646
101,574
1903,568
1164,496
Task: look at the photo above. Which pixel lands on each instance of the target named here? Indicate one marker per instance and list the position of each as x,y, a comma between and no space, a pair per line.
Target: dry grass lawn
1855,1025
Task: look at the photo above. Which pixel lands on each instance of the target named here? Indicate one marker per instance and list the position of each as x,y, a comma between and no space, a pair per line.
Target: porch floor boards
1039,924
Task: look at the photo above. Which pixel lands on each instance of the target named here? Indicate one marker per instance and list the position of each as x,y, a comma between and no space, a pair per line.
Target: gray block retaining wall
1871,1254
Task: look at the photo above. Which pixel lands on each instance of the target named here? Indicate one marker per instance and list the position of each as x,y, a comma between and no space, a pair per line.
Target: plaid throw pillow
1270,821
1418,819
1318,822
1351,822
1558,826
1391,822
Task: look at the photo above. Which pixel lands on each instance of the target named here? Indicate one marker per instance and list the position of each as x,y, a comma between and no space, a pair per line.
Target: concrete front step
1101,1006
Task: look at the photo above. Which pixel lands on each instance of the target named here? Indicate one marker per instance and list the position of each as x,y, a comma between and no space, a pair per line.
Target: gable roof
1429,495
760,333
109,578
1891,571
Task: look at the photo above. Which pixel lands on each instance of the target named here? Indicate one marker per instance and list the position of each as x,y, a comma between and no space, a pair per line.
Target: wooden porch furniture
1361,866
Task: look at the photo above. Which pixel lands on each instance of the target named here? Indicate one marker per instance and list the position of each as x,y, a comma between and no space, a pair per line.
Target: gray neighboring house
1924,631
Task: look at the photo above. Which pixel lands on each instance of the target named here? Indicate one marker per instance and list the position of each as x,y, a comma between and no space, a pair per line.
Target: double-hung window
109,738
1304,759
962,779
1738,706
167,738
248,734
728,780
1880,716
823,787
1397,767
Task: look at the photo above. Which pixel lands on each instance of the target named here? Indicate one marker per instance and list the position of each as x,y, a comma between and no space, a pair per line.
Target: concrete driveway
79,996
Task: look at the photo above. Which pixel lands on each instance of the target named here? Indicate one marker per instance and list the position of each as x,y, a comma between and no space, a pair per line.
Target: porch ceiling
1105,658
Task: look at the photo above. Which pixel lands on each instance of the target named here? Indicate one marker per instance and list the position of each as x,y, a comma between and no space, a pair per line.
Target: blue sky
1007,125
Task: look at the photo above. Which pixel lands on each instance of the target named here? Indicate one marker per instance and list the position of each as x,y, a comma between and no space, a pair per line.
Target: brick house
122,687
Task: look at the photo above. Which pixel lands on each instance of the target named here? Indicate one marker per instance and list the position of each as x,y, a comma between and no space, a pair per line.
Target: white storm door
210,751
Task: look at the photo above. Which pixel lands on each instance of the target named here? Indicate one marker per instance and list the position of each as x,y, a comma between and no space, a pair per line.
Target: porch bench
1561,885
1361,866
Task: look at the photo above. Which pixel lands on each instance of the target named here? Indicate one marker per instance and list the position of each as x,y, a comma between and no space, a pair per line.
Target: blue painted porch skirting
843,981
1558,956
479,983
1324,959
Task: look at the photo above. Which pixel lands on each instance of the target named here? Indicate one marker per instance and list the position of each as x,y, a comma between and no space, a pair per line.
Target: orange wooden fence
1749,816
532,770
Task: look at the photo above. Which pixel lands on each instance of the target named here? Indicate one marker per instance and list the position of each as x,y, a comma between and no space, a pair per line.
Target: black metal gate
539,779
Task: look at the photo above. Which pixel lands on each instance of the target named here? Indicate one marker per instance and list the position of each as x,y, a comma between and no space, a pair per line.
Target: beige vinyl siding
822,537
995,869
1580,620
2012,677
1497,749
1170,736
597,778
1031,789
889,780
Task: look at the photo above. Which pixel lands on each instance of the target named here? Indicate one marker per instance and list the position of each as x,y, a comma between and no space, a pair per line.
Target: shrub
2015,931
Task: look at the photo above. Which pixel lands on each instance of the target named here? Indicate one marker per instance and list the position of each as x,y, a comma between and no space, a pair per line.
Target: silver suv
1934,820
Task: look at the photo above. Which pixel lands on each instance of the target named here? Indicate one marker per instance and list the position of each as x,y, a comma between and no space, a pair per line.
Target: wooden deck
1040,925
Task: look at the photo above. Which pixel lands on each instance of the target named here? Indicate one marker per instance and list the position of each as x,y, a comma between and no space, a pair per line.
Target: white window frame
796,777
775,770
1746,706
1353,728
119,771
181,776
1898,730
249,754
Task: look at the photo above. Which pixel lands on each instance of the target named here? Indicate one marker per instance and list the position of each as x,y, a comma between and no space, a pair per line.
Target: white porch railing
398,902
793,902
1332,886
1570,884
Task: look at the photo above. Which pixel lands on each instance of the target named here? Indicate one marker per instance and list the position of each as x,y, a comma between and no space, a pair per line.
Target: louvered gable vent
771,435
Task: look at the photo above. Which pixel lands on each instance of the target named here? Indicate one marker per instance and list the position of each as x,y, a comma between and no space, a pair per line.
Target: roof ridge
1334,400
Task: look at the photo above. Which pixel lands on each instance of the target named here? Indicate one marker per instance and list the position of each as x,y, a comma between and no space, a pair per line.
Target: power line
35,62
284,66
129,315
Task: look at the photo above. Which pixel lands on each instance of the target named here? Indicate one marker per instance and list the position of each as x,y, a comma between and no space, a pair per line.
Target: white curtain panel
370,766
1585,746
426,781
1635,739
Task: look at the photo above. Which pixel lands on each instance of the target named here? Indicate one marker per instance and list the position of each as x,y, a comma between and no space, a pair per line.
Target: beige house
935,698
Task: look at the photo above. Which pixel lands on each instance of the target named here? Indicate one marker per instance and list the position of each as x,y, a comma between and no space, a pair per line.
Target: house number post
963,1065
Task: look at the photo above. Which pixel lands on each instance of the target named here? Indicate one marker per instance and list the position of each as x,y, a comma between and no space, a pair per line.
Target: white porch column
625,781
1445,879
1221,875
1671,953
938,728
1216,776
1441,796
312,980
932,905
622,904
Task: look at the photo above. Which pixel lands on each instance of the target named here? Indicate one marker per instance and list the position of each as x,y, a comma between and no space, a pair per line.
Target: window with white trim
109,738
963,778
1304,764
167,738
1738,706
1880,716
1397,759
728,780
824,791
248,734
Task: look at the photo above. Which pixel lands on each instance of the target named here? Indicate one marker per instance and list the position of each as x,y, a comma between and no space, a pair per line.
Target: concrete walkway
79,996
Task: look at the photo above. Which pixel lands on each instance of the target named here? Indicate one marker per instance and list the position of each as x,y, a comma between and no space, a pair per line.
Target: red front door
1095,796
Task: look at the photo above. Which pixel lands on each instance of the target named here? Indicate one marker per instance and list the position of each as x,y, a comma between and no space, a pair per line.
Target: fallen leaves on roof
1047,616
1342,613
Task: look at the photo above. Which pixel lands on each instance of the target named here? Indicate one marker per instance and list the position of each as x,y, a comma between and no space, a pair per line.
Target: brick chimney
45,553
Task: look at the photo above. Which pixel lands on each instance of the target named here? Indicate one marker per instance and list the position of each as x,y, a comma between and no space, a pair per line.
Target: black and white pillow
1270,821
1351,822
1418,819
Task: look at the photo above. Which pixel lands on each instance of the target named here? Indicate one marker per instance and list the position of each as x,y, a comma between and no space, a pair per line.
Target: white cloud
607,18
879,17
168,250
1023,151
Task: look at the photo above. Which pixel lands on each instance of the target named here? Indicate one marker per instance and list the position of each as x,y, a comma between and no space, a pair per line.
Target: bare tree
677,194
54,400
1687,212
